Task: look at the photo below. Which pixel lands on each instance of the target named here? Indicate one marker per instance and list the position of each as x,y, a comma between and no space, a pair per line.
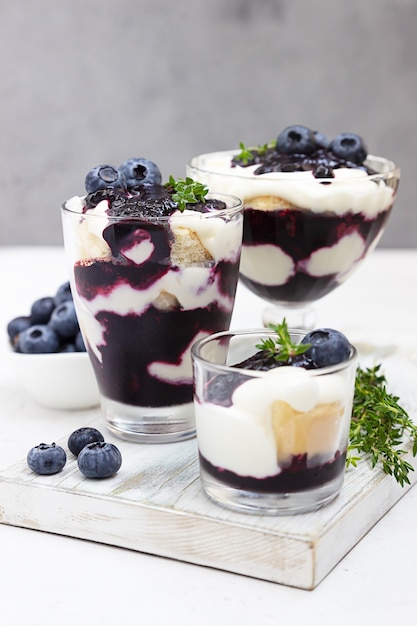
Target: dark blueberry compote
314,208
298,476
273,428
155,267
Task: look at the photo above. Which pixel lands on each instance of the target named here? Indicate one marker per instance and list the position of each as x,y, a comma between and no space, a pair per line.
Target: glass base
303,318
270,503
149,424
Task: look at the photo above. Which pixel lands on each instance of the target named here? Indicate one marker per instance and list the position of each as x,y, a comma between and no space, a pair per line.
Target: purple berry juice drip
299,233
294,478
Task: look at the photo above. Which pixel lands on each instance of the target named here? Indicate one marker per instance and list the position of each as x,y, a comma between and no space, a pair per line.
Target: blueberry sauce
299,233
297,476
293,153
132,342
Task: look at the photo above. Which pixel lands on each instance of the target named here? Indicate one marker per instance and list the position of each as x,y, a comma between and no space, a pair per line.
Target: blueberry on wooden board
83,436
46,458
99,460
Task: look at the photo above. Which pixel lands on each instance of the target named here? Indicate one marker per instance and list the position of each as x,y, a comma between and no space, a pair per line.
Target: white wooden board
155,504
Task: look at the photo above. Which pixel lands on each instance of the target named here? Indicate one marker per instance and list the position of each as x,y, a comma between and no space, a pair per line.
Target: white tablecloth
47,579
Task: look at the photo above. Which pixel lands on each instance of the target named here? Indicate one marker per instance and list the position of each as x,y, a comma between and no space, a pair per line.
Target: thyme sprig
265,147
245,155
281,347
379,425
248,155
186,191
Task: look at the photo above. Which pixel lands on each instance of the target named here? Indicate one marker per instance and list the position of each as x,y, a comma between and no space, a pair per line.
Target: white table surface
47,579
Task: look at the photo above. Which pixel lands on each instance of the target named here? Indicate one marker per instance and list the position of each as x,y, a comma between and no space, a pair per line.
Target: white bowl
63,381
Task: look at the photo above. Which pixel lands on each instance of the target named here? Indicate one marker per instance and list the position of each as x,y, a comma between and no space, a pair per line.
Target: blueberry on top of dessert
135,189
298,148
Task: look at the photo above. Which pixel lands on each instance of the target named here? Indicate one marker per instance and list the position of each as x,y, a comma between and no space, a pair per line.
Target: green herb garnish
379,425
263,149
281,347
186,191
248,155
245,155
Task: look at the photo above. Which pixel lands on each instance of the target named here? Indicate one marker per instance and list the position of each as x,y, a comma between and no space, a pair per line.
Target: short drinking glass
270,442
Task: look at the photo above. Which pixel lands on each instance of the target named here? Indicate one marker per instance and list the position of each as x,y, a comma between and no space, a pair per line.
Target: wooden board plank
155,504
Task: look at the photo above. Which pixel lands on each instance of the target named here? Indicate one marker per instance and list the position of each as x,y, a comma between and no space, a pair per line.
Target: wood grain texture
155,504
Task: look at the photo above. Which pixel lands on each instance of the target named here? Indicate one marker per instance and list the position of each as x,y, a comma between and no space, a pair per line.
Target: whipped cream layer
352,189
220,238
275,416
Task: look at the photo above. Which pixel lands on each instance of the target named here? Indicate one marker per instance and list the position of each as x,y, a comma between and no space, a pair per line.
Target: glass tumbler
270,442
145,289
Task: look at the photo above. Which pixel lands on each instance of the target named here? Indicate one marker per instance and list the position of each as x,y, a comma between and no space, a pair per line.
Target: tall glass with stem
303,235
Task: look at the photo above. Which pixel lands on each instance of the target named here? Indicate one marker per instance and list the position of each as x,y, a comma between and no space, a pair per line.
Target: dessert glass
144,290
302,236
270,442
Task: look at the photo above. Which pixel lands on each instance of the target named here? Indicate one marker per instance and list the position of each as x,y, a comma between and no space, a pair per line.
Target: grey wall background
85,82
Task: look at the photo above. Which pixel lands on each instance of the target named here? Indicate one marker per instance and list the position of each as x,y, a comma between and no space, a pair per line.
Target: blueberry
16,326
64,320
83,436
68,347
296,140
221,387
303,360
63,293
140,172
99,460
46,458
79,343
104,176
321,140
349,147
328,347
41,310
38,339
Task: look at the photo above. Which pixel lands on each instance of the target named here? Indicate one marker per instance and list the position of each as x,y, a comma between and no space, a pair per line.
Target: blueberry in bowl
48,354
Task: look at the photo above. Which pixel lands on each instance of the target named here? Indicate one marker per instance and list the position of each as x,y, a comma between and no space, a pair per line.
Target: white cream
220,237
337,259
266,264
231,440
352,190
140,252
270,266
283,412
180,372
289,384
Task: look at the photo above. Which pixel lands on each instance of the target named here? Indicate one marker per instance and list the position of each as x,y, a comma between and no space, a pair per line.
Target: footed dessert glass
145,289
270,442
303,236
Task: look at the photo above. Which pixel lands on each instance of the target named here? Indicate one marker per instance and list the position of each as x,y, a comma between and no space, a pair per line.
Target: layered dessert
274,424
314,209
154,268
